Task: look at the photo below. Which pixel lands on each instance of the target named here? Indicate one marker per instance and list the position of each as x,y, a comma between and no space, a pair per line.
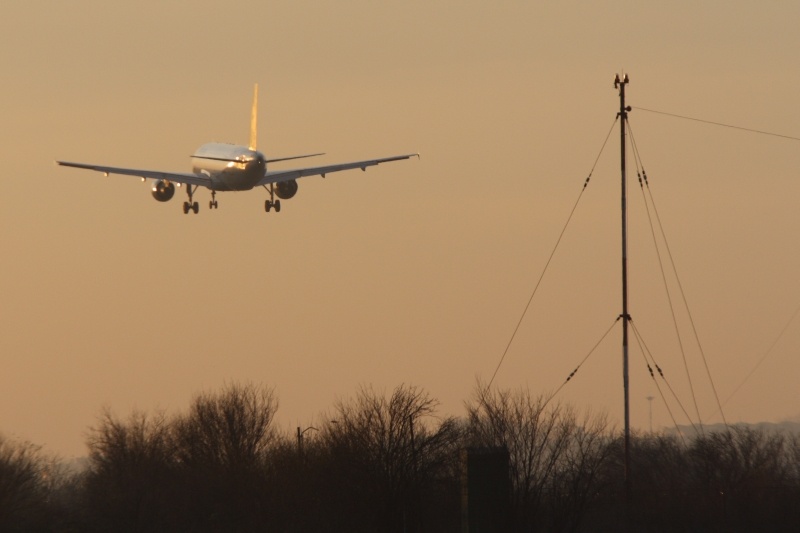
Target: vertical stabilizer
254,120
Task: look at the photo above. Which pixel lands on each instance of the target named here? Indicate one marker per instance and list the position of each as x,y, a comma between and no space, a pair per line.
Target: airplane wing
177,177
277,176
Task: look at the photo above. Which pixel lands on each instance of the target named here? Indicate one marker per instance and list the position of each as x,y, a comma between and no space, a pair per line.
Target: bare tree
742,474
130,472
221,448
232,429
389,456
521,424
579,469
793,459
552,457
23,486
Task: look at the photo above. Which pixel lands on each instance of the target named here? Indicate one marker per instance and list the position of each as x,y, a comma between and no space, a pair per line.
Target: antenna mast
620,83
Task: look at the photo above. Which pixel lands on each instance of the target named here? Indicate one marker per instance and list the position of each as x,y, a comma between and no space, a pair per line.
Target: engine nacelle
163,190
286,189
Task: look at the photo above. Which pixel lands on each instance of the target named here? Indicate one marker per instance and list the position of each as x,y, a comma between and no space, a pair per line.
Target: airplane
228,167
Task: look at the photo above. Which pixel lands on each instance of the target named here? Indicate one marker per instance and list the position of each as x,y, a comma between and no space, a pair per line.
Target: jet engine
286,189
163,190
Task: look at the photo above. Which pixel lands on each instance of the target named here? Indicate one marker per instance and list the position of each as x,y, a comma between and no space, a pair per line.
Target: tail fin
254,120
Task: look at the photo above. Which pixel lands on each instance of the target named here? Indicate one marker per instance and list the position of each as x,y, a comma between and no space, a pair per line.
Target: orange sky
413,272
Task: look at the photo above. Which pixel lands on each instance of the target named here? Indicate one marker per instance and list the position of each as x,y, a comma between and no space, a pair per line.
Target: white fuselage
230,167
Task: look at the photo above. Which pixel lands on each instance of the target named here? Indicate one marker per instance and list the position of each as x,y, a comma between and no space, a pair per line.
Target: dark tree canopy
386,461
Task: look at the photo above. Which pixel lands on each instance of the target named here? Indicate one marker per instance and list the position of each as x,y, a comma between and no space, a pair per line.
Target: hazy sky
413,272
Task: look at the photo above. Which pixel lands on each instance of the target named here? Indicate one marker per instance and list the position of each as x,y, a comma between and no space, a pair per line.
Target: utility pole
650,399
620,83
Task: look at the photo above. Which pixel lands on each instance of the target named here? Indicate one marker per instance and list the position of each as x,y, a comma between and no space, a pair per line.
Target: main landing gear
190,205
272,202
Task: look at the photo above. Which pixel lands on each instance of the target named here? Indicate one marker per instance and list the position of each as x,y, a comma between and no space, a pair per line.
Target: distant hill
788,428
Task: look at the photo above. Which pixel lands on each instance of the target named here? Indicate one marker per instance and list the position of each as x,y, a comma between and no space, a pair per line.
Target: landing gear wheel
213,204
191,205
272,202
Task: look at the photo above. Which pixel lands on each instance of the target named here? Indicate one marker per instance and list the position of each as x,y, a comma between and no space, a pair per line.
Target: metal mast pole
623,115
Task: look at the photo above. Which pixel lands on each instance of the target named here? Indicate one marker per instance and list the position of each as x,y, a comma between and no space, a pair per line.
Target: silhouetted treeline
388,463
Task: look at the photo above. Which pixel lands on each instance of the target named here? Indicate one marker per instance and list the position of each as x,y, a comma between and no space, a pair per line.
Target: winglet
254,120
